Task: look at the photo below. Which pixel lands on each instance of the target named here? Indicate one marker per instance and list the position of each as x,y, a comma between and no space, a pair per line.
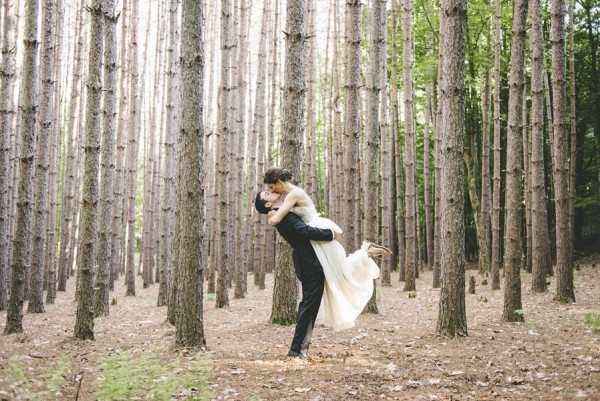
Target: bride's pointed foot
376,250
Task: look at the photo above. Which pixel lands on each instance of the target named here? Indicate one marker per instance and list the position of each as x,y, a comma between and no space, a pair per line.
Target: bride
348,278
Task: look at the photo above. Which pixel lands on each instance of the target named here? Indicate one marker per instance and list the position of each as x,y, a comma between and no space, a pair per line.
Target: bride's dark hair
277,173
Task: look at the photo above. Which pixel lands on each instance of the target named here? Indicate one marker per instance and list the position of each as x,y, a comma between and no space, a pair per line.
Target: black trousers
312,292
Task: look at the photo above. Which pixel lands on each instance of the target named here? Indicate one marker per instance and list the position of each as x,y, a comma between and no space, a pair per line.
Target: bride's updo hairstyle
277,173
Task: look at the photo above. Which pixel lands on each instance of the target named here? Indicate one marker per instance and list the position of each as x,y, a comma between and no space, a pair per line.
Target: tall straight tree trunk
310,161
107,178
190,322
573,115
427,178
240,267
514,165
452,317
486,186
372,131
23,237
409,144
168,208
439,126
84,322
52,212
36,294
7,113
133,146
351,142
565,291
294,96
223,261
117,224
259,128
338,172
388,210
496,233
395,163
539,257
67,229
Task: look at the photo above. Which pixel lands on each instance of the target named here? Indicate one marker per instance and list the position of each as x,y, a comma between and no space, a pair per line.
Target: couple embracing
335,287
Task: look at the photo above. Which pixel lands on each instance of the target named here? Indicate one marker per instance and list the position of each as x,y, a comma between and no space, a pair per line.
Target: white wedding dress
348,278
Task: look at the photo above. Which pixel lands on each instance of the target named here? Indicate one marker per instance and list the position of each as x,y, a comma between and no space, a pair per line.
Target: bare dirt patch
395,355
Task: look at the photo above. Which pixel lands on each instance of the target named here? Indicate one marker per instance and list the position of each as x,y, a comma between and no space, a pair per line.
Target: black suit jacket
298,234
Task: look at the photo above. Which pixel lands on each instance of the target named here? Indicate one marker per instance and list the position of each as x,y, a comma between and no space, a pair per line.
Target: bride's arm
288,204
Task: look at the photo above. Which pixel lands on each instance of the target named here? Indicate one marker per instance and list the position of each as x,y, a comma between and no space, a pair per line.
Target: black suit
310,273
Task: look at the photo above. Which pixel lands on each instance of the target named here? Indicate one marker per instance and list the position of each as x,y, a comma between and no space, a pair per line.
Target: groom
306,264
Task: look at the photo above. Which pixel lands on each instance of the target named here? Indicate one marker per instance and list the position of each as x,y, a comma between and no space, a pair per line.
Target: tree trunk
452,318
372,132
351,142
496,229
573,115
23,237
107,179
294,93
36,294
7,113
223,261
486,186
409,144
171,129
427,178
133,146
84,322
514,162
565,291
539,257
190,324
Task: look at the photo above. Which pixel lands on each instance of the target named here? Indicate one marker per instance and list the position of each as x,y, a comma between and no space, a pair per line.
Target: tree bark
294,94
514,165
496,207
7,113
565,291
351,142
540,258
84,322
190,325
452,318
23,237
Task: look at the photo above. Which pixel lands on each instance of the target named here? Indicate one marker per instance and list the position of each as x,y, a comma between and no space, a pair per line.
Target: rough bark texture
23,237
7,113
294,93
452,318
36,294
107,178
410,150
496,233
514,169
427,177
168,201
133,147
84,323
222,186
190,324
565,291
486,185
351,141
540,259
373,133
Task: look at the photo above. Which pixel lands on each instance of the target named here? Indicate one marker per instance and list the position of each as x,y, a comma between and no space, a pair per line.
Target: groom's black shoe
294,354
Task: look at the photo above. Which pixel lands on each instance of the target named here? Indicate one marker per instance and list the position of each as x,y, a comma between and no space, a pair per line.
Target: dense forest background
144,127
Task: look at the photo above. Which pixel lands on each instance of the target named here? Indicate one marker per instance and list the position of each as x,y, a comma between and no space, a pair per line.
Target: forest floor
395,355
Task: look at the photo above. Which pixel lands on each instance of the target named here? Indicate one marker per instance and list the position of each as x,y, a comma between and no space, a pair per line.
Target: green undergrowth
593,319
154,375
43,385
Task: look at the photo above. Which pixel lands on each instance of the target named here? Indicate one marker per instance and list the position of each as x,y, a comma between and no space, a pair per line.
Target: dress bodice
306,213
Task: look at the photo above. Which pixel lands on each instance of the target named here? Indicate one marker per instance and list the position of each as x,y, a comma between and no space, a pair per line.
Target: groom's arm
293,223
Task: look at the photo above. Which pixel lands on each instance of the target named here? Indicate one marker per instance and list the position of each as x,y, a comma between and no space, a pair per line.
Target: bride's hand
271,213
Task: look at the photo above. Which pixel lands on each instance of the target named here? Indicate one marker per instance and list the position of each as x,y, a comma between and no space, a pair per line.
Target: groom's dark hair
261,204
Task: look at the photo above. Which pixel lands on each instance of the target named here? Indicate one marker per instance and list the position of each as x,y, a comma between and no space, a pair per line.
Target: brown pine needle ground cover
396,355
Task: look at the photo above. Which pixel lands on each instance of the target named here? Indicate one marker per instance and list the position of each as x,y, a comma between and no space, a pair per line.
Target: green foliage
153,375
43,386
593,319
